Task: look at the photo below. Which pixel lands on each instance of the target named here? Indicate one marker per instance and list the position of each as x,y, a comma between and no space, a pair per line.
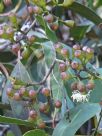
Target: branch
4,70
45,77
95,133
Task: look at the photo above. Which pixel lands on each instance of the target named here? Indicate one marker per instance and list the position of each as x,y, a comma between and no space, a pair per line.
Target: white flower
77,96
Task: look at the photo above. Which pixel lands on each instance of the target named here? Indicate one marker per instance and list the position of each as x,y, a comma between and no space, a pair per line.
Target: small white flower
77,96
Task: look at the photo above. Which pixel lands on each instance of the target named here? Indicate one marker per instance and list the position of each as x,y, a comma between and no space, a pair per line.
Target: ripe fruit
49,18
41,125
90,85
64,76
46,92
32,94
22,91
37,10
9,92
58,104
30,9
43,107
62,67
74,86
78,53
15,48
64,52
17,96
54,26
75,65
76,47
31,39
81,87
33,114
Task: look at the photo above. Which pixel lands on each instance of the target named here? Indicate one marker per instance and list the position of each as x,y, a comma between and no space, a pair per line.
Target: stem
45,77
95,133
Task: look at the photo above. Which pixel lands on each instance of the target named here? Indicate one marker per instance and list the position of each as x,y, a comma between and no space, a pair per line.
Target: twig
45,77
12,11
95,133
4,70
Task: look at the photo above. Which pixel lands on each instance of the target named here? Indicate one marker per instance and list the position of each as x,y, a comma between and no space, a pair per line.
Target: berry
58,104
54,26
75,65
37,10
49,18
64,52
30,9
33,114
22,91
41,125
90,51
32,94
62,67
64,76
9,92
17,97
15,48
46,92
74,86
76,47
78,53
43,107
90,85
81,87
58,47
31,39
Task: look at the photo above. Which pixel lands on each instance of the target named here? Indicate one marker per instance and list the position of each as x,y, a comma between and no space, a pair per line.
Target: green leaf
17,107
49,33
78,115
85,12
78,32
10,120
96,94
36,132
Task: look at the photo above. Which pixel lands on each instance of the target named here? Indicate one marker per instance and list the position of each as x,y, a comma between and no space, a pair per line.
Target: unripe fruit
58,47
64,76
75,65
15,48
49,18
81,87
74,86
64,52
9,92
90,51
76,47
25,53
30,9
46,92
17,97
54,26
90,85
22,91
43,107
58,104
78,53
32,94
41,125
62,67
33,114
37,10
31,39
